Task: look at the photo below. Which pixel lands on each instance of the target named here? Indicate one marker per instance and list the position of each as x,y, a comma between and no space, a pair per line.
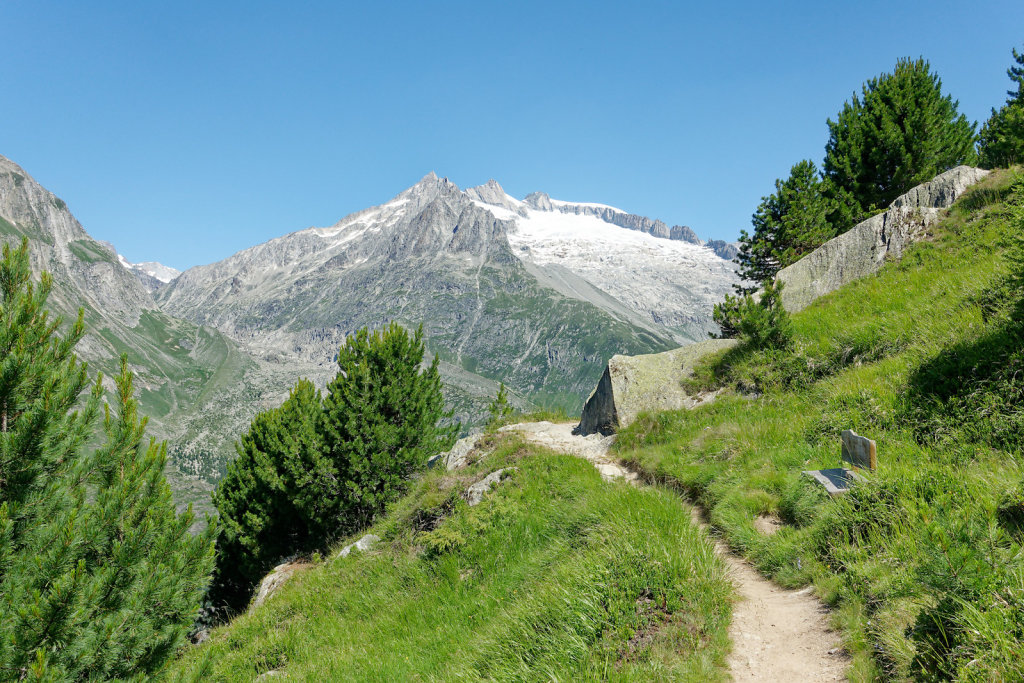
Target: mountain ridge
501,300
462,262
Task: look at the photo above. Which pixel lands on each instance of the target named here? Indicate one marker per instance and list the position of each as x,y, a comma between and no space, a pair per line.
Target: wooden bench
857,451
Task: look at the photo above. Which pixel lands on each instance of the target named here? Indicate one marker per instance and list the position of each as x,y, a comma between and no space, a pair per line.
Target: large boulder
633,384
654,382
864,249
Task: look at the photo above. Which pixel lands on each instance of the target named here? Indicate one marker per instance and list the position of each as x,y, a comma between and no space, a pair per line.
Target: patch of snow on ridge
499,212
561,237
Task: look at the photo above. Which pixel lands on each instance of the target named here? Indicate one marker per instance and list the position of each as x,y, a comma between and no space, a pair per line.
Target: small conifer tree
499,409
281,495
759,320
381,418
1001,141
99,576
319,468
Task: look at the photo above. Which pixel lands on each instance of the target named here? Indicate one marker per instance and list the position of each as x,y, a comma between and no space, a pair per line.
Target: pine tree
499,409
788,224
318,468
381,417
757,319
901,132
280,496
1001,141
99,576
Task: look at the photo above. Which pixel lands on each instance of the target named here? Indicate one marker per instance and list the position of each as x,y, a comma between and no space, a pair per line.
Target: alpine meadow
275,417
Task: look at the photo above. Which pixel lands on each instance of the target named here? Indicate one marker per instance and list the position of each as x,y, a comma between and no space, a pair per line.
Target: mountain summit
536,293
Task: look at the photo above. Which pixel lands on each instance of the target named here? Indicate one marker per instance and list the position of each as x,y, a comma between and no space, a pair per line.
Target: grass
923,563
556,575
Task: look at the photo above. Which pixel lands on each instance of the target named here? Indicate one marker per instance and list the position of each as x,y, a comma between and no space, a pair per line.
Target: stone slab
859,451
866,247
836,481
362,545
651,382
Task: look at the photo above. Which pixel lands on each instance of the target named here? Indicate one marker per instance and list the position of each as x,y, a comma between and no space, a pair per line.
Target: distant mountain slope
663,275
533,297
193,382
507,290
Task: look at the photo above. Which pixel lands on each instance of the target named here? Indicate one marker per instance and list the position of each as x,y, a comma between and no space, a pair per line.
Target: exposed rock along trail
777,634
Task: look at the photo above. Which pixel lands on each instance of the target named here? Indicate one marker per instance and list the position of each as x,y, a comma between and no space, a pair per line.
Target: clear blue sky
185,131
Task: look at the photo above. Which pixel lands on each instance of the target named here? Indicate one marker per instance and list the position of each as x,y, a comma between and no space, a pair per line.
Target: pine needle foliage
499,409
789,223
1001,141
900,132
318,468
99,576
280,495
381,417
758,320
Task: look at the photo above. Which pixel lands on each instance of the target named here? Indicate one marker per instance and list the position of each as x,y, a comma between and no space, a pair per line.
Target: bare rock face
458,456
865,248
86,272
634,384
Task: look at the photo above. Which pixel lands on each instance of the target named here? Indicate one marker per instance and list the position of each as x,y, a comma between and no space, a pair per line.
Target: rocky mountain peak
152,274
494,194
61,246
539,200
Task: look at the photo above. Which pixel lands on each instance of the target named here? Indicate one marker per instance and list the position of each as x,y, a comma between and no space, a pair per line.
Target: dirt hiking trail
777,635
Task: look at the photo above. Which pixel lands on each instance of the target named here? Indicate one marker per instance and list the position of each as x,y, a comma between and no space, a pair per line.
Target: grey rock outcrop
475,493
866,247
494,194
458,456
86,272
653,382
277,577
362,545
725,250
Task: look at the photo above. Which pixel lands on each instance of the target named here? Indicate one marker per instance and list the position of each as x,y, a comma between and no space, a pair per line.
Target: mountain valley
536,293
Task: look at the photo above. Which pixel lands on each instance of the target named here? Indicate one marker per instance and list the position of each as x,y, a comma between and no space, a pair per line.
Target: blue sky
186,131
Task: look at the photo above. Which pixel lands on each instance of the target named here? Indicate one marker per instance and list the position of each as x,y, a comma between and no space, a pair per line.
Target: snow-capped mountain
664,274
537,293
153,275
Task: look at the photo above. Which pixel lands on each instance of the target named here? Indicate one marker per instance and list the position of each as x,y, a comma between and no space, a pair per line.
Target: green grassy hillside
924,564
556,575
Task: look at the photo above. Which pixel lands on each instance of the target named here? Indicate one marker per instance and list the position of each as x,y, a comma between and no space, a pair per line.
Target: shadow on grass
973,390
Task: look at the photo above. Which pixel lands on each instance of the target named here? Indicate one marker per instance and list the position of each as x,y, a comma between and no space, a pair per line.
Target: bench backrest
859,451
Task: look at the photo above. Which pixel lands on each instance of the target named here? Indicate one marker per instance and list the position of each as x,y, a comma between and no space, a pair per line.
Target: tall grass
924,562
556,575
